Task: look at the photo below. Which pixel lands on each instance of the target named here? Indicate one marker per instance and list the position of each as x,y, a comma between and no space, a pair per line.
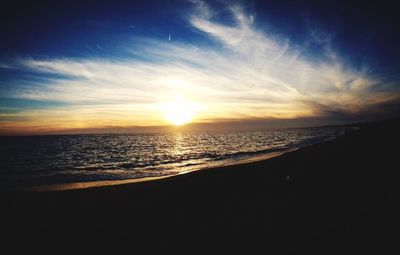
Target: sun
179,111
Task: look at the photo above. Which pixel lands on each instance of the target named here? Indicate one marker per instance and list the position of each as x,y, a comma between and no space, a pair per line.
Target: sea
29,161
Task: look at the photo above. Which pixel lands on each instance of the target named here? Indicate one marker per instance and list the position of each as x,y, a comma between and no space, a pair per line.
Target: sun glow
179,111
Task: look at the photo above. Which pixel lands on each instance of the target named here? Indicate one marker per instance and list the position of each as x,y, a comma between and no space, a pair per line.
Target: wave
97,157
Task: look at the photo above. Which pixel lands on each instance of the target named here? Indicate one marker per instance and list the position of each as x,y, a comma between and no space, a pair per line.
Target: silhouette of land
336,197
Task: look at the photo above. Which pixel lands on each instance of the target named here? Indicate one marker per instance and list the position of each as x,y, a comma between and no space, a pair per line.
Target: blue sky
110,64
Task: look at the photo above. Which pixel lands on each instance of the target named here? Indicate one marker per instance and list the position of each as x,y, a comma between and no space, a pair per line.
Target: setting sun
179,111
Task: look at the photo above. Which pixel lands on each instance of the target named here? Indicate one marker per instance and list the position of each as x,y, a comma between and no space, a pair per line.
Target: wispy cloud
247,73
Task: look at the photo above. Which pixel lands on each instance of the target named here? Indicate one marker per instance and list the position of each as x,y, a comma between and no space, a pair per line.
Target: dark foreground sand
337,197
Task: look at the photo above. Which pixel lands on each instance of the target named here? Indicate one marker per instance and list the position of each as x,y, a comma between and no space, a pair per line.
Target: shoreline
106,183
55,181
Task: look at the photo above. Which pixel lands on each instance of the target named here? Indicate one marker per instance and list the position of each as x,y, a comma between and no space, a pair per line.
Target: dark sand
337,197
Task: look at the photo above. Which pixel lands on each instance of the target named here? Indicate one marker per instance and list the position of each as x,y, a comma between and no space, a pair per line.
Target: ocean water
40,160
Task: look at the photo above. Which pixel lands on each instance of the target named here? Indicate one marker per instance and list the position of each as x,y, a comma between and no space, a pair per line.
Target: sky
110,66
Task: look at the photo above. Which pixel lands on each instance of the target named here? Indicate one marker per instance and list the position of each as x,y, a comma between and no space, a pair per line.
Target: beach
335,197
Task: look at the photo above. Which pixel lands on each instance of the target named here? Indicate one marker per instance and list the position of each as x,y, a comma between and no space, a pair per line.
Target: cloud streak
246,73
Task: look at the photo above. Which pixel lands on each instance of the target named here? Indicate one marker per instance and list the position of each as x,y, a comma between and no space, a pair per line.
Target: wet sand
336,197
